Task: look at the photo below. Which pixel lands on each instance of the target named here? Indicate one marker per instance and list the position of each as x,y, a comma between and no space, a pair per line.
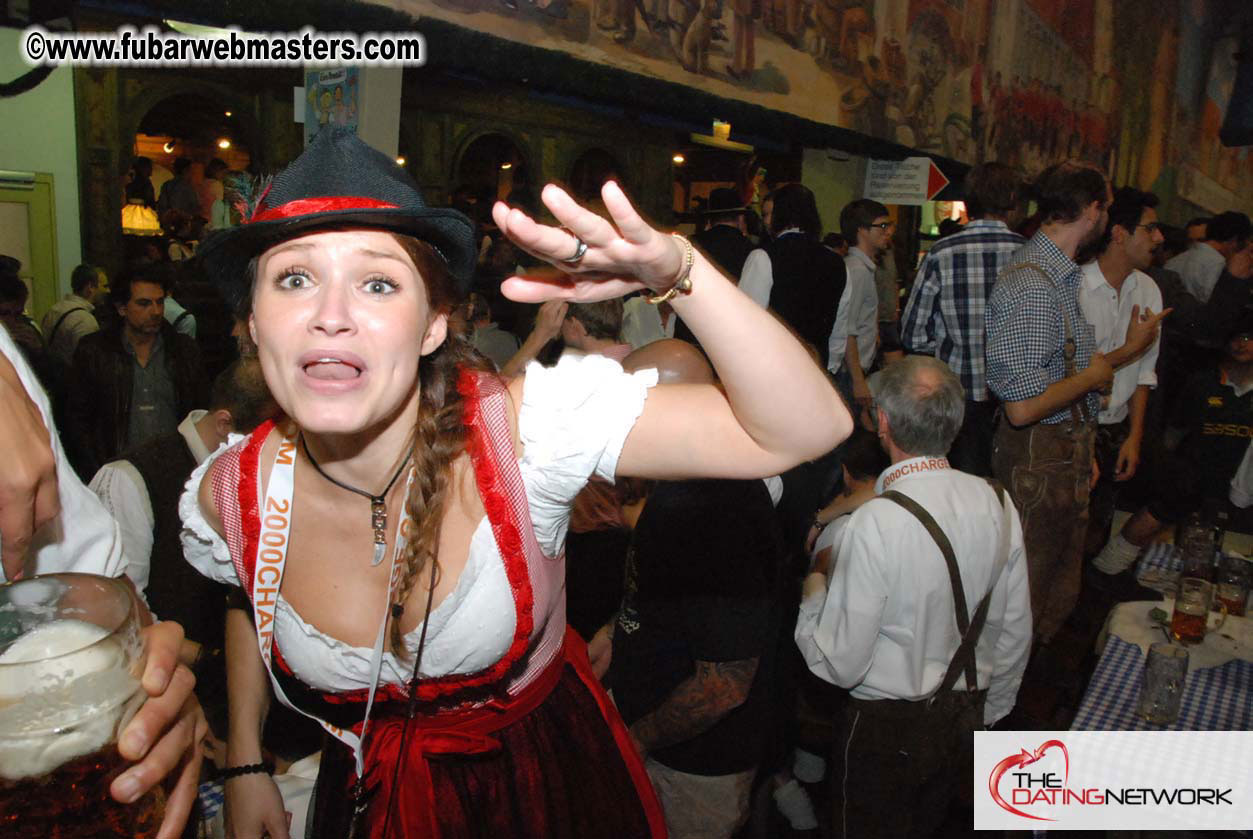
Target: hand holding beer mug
71,663
1190,620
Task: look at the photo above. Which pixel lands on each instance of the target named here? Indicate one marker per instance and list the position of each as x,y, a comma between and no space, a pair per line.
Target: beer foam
65,695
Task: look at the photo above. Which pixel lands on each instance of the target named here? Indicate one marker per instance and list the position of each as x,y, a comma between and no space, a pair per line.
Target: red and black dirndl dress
516,750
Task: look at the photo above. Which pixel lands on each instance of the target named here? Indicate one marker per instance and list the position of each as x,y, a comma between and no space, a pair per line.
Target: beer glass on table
1190,620
71,658
1161,693
1233,584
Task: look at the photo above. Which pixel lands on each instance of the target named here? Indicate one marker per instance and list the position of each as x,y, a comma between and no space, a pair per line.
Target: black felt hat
339,181
723,200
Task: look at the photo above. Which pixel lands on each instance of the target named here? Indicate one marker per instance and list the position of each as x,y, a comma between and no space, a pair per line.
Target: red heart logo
1024,758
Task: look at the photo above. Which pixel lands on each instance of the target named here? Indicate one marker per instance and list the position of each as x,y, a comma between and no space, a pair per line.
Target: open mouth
331,369
332,366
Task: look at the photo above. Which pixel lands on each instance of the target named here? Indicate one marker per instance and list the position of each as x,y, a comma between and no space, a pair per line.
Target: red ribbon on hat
325,204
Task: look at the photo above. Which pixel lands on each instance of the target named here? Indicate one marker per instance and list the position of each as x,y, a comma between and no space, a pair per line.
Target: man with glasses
855,337
1114,291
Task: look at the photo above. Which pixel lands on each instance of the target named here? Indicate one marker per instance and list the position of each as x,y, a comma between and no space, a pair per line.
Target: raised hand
1142,329
549,319
623,254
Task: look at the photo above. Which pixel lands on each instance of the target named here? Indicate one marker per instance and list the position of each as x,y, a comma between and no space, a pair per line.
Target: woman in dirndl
399,532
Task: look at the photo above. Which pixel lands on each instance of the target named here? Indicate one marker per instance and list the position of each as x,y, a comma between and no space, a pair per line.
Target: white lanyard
267,578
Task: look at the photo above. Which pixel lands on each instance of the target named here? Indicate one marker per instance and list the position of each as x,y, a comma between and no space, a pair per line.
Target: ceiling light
506,166
169,147
400,161
224,143
679,159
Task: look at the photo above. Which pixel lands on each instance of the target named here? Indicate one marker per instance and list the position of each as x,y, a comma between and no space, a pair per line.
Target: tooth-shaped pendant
378,521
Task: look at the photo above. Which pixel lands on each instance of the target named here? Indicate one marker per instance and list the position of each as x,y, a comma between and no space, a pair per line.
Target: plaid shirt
944,315
1026,332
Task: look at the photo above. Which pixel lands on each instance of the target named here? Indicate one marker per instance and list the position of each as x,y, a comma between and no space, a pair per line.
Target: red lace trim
501,515
385,693
249,505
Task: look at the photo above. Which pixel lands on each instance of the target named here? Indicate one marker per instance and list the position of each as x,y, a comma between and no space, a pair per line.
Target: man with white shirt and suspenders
926,615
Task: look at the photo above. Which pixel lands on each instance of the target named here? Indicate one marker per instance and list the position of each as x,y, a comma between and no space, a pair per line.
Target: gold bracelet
683,285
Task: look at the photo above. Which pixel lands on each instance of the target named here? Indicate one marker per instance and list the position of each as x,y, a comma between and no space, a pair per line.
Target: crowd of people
615,567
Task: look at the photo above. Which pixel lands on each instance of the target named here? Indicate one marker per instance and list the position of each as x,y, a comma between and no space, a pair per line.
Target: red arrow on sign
936,181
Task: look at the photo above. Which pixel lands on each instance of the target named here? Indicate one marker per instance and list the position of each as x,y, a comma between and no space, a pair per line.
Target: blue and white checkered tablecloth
211,795
1215,699
1161,556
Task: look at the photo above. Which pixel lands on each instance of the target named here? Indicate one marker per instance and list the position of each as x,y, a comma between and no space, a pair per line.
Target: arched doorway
193,127
204,137
492,168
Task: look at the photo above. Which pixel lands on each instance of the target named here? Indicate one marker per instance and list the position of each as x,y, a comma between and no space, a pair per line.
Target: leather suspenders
963,660
1078,408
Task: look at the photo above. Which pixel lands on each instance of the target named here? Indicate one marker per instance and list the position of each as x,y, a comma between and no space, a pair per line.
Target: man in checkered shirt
1043,365
944,315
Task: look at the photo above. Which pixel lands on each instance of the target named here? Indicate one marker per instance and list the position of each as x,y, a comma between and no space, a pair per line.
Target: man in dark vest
725,240
141,490
133,381
795,275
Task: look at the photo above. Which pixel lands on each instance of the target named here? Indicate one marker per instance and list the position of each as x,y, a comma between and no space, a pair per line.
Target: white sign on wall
914,180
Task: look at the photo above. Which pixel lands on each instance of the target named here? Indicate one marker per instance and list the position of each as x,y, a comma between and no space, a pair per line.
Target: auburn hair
440,431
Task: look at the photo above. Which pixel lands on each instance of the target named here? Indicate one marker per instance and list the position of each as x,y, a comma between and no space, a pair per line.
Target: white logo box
1113,780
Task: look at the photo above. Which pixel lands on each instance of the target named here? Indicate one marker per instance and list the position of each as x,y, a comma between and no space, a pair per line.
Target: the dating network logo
1111,780
1030,788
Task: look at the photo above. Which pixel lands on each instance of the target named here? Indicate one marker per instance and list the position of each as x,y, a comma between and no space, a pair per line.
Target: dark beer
70,660
1186,627
73,802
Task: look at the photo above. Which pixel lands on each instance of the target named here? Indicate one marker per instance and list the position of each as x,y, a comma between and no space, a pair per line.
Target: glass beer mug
1190,620
1234,573
71,658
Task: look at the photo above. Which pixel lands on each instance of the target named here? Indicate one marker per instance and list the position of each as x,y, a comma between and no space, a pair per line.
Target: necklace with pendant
378,503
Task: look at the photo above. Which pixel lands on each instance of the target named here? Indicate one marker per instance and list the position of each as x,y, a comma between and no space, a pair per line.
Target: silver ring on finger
580,248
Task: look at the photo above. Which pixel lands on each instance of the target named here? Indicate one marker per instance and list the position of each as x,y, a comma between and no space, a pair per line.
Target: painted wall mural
1138,87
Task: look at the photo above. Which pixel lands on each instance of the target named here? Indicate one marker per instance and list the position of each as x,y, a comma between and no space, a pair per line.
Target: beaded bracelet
683,285
249,769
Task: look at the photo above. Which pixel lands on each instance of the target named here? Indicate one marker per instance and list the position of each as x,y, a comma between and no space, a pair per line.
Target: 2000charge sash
267,578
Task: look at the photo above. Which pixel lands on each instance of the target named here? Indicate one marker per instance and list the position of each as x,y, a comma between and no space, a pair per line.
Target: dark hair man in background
944,316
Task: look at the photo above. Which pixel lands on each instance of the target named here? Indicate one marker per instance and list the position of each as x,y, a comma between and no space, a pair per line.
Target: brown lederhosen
1047,470
898,762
